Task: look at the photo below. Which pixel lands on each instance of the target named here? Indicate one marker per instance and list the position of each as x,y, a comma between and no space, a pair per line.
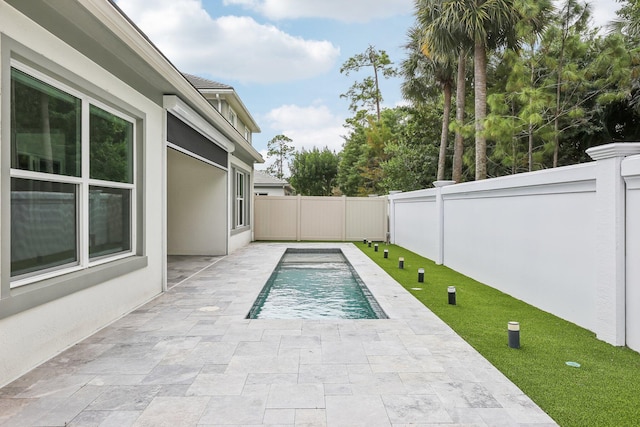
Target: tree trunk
442,157
480,93
532,77
458,147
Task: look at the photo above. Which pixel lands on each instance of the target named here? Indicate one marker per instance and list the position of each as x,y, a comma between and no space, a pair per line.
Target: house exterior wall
41,319
564,240
242,236
269,191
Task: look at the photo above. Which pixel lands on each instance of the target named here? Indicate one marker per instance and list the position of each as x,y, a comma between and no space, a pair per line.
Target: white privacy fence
320,218
565,240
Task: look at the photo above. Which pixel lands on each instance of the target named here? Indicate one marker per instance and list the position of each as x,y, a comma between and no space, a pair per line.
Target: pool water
315,284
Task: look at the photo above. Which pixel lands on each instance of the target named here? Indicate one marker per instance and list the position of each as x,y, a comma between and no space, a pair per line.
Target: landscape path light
386,253
421,275
451,290
514,334
400,262
375,247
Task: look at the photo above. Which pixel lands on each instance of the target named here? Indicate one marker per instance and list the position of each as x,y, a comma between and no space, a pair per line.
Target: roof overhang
103,33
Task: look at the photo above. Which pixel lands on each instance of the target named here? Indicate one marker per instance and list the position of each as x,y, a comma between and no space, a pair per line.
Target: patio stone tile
26,412
107,379
241,410
266,348
125,398
263,365
318,373
217,384
331,389
310,396
356,411
172,374
404,364
377,383
310,418
254,379
301,341
209,353
105,419
462,394
120,366
69,407
58,386
279,417
415,409
172,412
343,352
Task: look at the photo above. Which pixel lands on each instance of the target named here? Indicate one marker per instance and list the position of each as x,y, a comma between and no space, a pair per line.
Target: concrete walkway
190,358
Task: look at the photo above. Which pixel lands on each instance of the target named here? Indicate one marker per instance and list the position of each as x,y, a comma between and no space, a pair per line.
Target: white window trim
83,182
240,222
233,117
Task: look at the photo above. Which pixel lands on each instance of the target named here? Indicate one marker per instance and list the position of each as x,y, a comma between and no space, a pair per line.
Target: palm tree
489,24
447,44
422,73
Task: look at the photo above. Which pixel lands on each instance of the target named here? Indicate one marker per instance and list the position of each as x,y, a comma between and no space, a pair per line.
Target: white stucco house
267,185
110,160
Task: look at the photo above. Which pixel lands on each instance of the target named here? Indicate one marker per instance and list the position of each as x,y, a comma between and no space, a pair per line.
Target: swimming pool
315,284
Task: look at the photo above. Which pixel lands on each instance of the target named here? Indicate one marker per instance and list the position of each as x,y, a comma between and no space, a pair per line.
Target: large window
240,203
72,178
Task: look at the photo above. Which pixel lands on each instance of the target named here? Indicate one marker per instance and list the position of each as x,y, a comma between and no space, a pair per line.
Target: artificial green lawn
603,391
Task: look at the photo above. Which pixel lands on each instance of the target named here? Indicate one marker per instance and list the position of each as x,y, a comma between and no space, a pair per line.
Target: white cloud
228,47
308,127
341,10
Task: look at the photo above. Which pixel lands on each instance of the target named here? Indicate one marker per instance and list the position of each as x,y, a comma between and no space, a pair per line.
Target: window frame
232,117
245,199
83,183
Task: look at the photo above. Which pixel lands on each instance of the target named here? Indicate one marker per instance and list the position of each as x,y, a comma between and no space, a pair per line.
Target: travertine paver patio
189,357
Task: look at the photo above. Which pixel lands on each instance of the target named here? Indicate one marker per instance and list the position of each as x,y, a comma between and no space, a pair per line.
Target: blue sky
283,57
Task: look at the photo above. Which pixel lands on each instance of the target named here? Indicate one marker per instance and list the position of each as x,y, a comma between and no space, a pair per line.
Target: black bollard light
364,241
369,243
375,247
514,334
401,263
421,275
451,290
386,253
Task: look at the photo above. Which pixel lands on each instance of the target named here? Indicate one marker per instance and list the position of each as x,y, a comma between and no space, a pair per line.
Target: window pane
45,131
43,225
240,185
240,212
111,147
109,221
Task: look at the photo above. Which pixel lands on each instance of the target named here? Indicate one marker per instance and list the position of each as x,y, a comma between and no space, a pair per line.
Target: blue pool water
315,284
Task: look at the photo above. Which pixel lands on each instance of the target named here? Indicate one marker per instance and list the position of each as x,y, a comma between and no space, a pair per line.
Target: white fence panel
566,240
532,238
415,217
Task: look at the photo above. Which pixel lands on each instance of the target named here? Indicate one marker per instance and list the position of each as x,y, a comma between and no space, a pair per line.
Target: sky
283,57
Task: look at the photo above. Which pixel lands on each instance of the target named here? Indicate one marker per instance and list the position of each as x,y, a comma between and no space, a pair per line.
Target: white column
610,240
392,216
440,221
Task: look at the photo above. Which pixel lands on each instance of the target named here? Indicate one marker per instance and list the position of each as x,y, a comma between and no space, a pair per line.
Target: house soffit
76,26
